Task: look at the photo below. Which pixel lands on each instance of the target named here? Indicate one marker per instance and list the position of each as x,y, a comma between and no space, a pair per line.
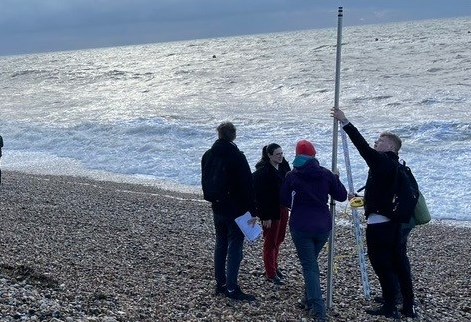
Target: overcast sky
51,25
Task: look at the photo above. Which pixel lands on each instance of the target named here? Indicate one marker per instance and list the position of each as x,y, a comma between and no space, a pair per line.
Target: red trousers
273,237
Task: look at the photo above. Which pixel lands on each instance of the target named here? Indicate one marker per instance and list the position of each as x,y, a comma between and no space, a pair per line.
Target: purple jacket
306,191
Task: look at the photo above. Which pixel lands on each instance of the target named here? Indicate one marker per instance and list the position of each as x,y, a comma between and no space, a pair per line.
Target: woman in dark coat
268,177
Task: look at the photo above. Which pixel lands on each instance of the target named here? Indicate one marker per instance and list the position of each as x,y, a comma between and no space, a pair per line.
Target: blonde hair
396,140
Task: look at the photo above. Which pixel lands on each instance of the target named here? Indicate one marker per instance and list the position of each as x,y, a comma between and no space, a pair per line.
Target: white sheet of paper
251,233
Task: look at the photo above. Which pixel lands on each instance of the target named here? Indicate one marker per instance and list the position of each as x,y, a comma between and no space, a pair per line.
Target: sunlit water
146,114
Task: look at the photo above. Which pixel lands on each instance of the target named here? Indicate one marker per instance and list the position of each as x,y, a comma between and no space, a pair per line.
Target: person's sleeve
285,193
370,155
261,195
246,182
338,191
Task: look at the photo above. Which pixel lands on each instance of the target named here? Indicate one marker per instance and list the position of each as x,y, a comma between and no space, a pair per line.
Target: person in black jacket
383,234
239,199
268,177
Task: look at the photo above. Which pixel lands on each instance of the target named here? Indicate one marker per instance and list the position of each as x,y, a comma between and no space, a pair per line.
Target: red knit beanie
306,148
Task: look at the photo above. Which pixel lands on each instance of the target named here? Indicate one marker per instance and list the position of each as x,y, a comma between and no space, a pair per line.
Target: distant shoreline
104,176
174,188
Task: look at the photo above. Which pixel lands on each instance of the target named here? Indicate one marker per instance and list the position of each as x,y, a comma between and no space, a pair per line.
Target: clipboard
250,233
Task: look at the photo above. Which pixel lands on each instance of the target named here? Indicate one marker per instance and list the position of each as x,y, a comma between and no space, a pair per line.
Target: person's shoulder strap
410,175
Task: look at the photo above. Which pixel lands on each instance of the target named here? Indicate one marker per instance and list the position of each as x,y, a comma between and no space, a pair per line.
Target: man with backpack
227,183
386,251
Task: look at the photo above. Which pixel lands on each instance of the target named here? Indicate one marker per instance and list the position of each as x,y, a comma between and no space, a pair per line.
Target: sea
146,114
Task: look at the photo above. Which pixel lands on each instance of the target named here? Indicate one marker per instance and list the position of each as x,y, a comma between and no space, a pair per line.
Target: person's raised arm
369,154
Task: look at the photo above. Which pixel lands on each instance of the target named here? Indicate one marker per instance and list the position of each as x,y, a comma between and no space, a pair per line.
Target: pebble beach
75,249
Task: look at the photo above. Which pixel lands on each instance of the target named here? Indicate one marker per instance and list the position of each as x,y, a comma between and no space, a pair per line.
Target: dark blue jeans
228,251
308,247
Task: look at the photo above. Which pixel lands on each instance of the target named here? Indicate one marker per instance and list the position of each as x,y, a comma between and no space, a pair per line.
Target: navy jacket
306,191
379,188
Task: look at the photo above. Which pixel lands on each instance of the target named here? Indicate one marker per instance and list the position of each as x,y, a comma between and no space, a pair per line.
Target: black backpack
406,194
214,177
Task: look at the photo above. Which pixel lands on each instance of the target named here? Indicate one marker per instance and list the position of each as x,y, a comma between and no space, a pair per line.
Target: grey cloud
39,25
26,15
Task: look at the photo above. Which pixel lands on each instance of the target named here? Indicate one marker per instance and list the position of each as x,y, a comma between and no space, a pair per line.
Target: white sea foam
147,113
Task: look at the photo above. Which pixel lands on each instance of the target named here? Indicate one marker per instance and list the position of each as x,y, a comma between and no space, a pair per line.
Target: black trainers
409,313
238,295
276,280
220,289
385,311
